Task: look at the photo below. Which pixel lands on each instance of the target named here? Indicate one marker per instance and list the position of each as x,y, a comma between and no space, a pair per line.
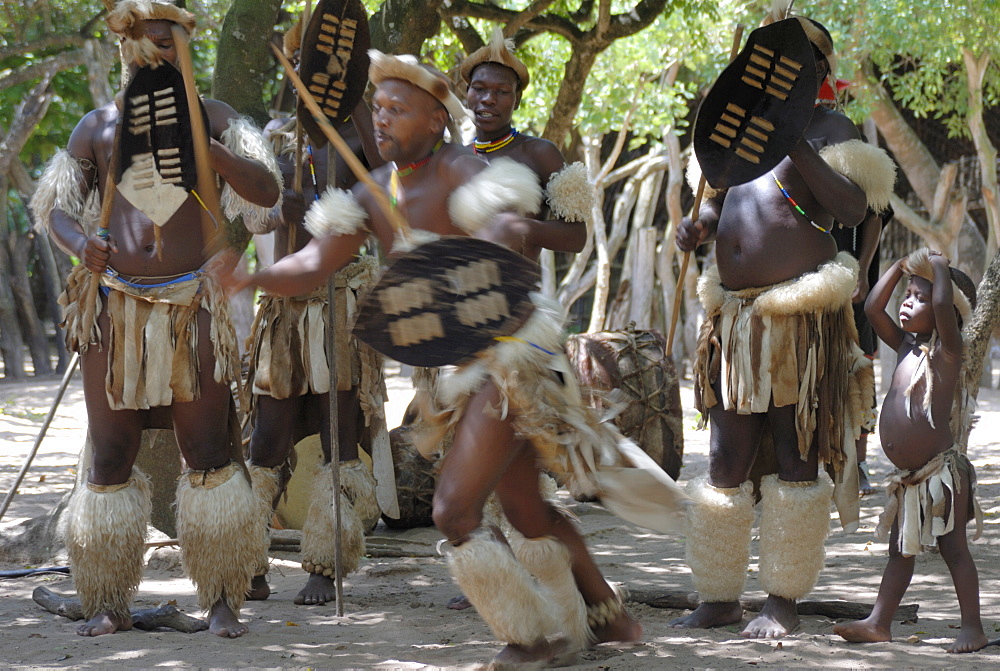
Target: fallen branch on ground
142,618
834,609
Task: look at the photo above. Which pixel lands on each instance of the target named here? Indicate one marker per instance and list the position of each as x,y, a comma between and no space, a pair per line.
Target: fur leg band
548,560
516,609
718,539
218,526
105,537
319,533
794,523
358,484
267,484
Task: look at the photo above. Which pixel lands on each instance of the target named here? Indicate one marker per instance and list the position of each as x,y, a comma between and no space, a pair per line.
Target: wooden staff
699,194
356,166
213,237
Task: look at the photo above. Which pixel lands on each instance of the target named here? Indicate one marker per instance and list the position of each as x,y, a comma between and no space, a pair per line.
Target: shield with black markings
333,63
759,106
447,300
156,168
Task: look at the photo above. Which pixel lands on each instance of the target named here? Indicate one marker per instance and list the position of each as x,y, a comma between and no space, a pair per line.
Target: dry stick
334,428
678,295
211,231
358,168
41,433
299,168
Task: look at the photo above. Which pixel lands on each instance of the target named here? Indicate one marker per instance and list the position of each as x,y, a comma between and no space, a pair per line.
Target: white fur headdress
498,50
125,18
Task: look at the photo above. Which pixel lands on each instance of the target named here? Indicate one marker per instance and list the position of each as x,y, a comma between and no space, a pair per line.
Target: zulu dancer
779,349
289,380
446,190
156,334
496,80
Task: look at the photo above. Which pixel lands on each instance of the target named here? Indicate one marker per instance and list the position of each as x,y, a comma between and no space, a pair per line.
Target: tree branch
26,118
59,62
530,12
44,44
552,23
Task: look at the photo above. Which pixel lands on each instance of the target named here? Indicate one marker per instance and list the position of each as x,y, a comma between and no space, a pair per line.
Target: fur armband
61,188
867,166
336,213
245,140
505,186
694,176
569,194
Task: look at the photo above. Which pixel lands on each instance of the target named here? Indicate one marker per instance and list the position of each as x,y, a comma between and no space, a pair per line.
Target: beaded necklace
493,145
312,172
796,206
408,170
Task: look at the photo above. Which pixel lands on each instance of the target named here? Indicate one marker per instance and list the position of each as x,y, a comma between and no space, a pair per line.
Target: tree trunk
578,67
31,326
402,26
975,71
53,288
244,61
11,343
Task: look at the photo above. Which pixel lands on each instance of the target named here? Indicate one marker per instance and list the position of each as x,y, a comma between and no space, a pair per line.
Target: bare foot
710,614
318,590
622,629
459,602
107,623
969,639
259,589
864,486
223,622
543,654
862,631
777,618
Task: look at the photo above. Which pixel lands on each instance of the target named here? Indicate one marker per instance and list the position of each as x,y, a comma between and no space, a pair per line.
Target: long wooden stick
356,166
213,236
679,293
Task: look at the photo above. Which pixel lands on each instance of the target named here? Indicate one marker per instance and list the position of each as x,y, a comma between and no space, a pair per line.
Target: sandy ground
395,608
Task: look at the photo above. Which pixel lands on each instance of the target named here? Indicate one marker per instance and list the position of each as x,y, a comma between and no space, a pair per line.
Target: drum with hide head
759,107
333,63
156,168
447,300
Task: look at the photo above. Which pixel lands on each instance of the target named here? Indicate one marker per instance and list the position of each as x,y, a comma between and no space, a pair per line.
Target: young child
932,493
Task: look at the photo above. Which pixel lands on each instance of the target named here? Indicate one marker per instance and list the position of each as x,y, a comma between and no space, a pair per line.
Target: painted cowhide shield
758,108
156,168
334,63
447,300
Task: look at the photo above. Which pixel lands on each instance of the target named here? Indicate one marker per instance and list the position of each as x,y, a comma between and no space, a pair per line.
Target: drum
415,480
631,368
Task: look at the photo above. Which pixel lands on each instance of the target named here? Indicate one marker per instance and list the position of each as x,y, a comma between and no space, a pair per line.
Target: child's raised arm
884,325
943,302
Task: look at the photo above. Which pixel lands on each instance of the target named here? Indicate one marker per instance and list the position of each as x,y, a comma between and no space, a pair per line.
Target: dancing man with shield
152,328
778,349
521,387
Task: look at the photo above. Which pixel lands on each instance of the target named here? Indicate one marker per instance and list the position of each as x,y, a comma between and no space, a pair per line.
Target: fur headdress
123,19
499,50
918,264
293,39
815,31
407,68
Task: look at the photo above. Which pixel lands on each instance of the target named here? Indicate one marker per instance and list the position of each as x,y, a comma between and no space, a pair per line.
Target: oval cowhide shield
447,300
334,63
156,169
759,106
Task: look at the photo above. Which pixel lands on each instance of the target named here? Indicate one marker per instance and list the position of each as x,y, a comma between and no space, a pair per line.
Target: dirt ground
395,607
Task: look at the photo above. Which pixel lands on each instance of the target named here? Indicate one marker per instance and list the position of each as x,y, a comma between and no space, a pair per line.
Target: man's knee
455,519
